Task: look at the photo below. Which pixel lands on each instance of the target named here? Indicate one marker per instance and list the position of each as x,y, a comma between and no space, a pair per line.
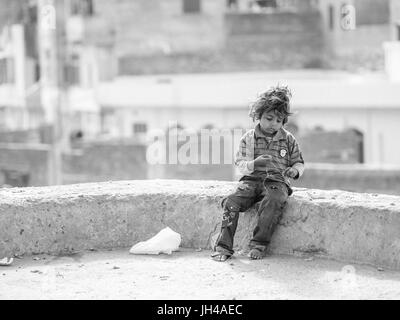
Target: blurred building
106,38
12,79
109,43
217,36
354,31
21,105
395,19
19,100
186,36
181,36
392,48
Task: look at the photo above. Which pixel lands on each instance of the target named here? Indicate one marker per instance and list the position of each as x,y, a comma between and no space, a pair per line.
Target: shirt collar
280,135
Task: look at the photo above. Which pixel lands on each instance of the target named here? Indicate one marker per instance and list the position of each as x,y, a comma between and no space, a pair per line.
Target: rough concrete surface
190,274
346,226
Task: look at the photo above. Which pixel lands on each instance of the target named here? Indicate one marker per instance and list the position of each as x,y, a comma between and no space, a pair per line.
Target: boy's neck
267,134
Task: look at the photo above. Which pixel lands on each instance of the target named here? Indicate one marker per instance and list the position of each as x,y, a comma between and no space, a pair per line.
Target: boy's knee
240,200
276,199
228,204
276,194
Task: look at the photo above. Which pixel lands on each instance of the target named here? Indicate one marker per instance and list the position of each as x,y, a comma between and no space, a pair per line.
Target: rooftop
311,89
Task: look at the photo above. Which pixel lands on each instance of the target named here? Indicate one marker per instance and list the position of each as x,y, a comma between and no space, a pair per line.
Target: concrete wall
118,160
247,41
207,157
90,163
279,40
378,128
361,49
360,228
20,159
372,12
351,177
20,136
331,146
126,160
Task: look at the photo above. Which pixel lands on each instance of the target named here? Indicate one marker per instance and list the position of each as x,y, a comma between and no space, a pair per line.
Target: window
72,70
37,71
262,5
360,145
232,4
331,17
266,3
107,118
82,7
398,32
191,6
15,178
139,128
2,118
6,70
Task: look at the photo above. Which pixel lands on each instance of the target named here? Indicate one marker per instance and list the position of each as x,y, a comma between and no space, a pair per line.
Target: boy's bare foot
256,254
219,256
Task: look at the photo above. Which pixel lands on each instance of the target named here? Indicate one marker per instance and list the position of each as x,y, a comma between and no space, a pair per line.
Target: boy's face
271,121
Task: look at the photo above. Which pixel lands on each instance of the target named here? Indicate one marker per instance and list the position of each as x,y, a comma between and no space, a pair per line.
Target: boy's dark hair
276,98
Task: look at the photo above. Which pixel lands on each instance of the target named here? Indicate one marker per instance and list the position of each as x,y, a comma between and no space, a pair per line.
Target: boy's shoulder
285,134
248,134
289,136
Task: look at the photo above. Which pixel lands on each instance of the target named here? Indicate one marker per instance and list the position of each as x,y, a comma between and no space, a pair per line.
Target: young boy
268,156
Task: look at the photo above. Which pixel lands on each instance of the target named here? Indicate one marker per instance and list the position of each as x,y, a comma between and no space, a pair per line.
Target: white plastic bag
6,262
165,241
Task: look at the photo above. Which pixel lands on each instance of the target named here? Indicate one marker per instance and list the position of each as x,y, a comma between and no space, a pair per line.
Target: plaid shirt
283,148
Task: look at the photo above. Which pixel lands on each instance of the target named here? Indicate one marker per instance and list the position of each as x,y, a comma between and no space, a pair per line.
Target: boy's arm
244,157
296,159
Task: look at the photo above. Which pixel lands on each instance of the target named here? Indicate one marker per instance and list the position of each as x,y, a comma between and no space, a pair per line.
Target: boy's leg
241,200
269,214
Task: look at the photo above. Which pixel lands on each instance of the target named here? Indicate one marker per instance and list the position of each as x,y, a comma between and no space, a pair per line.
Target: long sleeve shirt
282,147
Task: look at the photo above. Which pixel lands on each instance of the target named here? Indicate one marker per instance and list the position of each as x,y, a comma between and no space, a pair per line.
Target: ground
191,274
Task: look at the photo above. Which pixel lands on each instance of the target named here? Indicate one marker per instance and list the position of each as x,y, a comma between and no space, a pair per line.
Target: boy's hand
291,172
262,160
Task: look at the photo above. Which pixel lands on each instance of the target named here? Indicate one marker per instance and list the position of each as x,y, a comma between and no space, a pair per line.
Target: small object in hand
290,172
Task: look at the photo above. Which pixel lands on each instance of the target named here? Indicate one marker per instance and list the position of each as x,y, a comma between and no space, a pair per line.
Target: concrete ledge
353,227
